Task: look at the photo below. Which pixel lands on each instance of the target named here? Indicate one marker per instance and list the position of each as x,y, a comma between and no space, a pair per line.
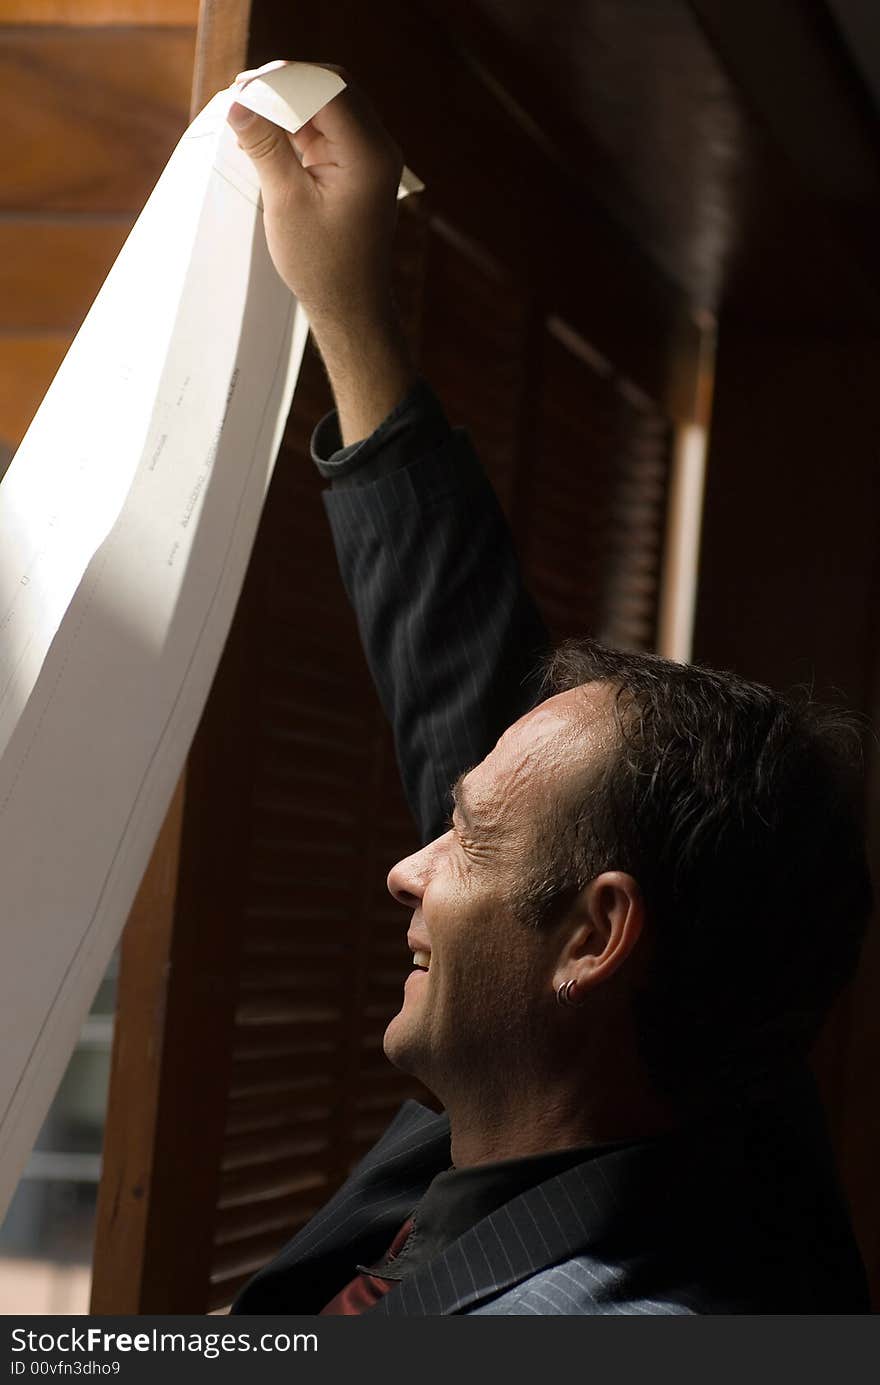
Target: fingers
348,117
345,133
305,136
355,138
311,144
313,147
269,147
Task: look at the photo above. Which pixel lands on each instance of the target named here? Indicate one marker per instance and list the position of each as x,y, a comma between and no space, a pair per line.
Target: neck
490,1134
540,1112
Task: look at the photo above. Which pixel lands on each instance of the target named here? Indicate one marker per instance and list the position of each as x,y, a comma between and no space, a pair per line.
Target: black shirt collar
459,1198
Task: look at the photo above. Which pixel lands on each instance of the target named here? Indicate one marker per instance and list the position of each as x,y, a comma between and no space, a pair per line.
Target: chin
400,1046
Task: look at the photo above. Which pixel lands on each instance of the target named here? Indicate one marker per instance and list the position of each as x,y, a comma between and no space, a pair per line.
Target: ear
601,929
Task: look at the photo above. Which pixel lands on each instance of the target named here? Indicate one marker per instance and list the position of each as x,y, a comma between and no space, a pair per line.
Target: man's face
479,1014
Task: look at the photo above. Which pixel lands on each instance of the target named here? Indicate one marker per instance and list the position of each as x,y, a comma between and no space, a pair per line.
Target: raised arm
452,638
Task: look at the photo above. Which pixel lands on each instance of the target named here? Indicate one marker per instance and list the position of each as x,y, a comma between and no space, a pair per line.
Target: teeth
421,959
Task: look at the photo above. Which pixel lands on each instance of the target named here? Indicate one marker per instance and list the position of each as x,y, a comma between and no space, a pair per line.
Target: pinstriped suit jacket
539,1231
740,1217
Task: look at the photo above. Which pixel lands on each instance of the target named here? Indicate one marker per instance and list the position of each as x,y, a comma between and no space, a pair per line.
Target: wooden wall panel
78,13
93,96
50,271
27,365
90,115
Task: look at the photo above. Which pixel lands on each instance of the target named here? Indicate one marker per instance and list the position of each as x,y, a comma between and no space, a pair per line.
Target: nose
408,880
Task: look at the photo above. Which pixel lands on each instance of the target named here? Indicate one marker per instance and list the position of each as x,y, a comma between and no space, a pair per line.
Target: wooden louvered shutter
283,954
593,536
578,454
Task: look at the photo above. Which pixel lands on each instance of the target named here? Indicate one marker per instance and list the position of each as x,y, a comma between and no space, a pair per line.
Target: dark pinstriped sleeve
452,638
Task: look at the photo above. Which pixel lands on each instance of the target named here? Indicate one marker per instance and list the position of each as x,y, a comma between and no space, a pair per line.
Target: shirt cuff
415,427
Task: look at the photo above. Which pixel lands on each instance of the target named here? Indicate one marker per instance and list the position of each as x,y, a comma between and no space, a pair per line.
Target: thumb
267,145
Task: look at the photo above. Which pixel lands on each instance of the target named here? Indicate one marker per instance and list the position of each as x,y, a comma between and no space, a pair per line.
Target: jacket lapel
543,1226
358,1222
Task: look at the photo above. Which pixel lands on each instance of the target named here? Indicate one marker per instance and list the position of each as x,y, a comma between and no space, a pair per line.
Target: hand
329,209
330,205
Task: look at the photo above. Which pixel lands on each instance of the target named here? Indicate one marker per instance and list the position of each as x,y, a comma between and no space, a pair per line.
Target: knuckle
264,145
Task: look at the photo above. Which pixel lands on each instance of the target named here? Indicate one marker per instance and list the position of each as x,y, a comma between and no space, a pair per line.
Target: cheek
447,898
456,921
473,945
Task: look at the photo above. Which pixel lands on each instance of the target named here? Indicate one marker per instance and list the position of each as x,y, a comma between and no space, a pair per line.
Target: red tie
366,1289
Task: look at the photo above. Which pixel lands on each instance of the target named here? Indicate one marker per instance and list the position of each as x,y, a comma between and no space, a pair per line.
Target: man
627,935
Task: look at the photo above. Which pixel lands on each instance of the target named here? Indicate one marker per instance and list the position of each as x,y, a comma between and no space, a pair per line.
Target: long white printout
126,523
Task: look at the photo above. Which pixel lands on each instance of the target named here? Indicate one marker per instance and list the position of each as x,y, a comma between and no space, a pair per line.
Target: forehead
538,754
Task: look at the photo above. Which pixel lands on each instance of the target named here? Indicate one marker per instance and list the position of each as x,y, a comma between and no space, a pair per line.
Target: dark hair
737,810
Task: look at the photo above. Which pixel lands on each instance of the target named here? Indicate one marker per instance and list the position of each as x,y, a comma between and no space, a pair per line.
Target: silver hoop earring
564,993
